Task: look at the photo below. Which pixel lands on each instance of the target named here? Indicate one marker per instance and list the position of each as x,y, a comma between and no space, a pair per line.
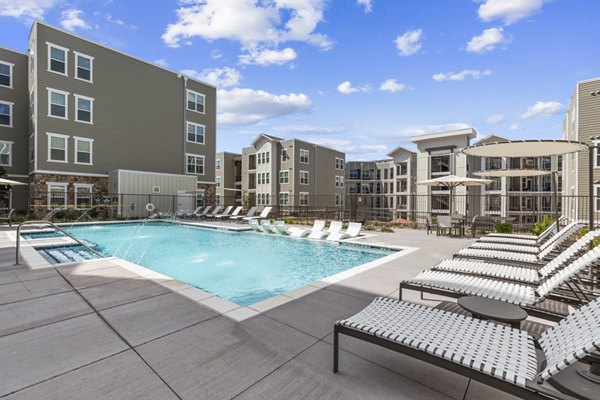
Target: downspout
184,80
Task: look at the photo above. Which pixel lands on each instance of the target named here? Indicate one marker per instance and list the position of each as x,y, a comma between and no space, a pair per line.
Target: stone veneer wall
210,191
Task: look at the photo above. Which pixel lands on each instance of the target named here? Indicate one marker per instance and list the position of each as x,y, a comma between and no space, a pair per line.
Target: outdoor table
458,222
484,308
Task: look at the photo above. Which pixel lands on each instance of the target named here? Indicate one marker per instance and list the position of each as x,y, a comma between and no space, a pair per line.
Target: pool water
241,267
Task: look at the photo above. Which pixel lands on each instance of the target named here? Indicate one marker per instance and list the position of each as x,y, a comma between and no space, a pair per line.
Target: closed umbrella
452,181
11,183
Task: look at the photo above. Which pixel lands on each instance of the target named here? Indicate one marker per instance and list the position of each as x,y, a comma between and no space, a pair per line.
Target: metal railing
53,225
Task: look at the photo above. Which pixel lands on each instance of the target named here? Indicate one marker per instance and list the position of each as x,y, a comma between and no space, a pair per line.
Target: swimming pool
241,267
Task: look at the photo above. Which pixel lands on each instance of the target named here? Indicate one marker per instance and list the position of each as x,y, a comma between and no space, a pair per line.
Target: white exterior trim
66,94
76,53
11,74
195,125
82,139
195,155
49,45
91,100
66,137
11,115
46,171
187,91
10,152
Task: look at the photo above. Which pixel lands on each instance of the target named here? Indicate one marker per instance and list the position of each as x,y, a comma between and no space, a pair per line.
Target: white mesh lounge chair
250,213
255,225
550,245
187,214
264,214
519,273
493,354
214,215
282,229
225,215
318,226
267,227
509,237
525,296
334,227
353,231
196,214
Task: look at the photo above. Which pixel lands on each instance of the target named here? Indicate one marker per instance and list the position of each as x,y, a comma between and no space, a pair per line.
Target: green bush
503,227
541,226
386,228
369,227
582,232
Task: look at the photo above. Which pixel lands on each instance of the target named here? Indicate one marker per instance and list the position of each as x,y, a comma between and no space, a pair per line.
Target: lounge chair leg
400,292
335,349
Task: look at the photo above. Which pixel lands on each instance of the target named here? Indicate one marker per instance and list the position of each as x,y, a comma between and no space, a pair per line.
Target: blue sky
362,76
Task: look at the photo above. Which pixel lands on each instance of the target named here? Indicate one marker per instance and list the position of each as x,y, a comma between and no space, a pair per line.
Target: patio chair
444,223
7,216
267,227
237,218
264,214
200,215
523,295
225,215
352,231
495,355
510,255
318,226
212,215
282,229
334,227
518,273
255,225
430,225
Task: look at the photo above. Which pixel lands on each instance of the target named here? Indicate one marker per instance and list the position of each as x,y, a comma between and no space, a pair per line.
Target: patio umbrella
452,181
10,183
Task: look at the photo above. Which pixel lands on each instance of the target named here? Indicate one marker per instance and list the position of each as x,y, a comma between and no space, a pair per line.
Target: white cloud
162,62
249,22
268,57
71,19
426,129
119,22
351,148
487,41
543,109
248,106
366,4
409,43
391,85
347,88
220,77
460,76
310,129
495,119
26,9
509,11
216,54
515,127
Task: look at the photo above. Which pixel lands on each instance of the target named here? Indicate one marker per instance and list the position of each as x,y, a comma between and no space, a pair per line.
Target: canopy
525,148
511,173
454,181
11,183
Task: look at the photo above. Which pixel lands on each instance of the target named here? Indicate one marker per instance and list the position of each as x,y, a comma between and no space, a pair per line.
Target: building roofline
588,80
270,138
229,152
23,53
400,148
491,135
470,132
121,52
316,145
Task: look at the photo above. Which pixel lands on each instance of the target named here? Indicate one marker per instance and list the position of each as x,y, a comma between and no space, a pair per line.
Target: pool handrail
53,225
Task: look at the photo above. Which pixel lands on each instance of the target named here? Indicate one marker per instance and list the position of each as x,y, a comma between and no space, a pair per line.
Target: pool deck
99,331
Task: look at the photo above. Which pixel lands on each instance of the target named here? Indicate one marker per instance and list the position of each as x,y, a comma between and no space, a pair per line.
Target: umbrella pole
555,195
450,201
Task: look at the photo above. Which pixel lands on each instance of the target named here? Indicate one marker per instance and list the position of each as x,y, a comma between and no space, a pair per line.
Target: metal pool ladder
53,225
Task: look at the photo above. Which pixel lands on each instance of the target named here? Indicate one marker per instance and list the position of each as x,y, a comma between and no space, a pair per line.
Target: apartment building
228,178
582,123
79,110
390,182
292,172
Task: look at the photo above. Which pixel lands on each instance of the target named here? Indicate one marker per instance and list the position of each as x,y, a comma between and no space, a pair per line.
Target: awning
512,173
525,148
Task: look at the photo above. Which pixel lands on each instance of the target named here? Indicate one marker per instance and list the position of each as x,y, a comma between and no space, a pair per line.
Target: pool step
60,255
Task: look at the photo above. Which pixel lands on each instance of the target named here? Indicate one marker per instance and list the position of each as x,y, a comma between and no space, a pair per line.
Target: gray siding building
228,179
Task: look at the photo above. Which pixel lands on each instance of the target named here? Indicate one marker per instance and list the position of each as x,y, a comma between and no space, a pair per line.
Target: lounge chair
226,215
492,354
7,217
318,226
223,214
237,218
353,231
282,229
510,237
197,215
255,225
334,227
523,295
512,255
264,214
267,227
214,213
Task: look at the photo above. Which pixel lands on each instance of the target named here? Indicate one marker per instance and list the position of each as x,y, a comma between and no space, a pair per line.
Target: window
32,147
6,114
57,147
218,164
304,177
339,163
597,199
339,181
354,174
83,67
84,109
284,155
6,74
58,103
339,199
57,59
440,165
304,156
284,198
218,181
303,198
83,150
83,195
57,195
195,164
195,133
195,101
6,153
284,177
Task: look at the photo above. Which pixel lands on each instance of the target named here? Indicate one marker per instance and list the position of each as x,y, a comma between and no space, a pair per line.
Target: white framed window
597,198
83,195
84,65
339,181
32,147
83,150
58,104
195,101
339,163
6,153
339,199
195,132
596,155
6,113
218,164
304,177
284,198
304,156
58,146
84,109
304,198
284,155
6,74
284,176
218,181
195,164
267,178
57,59
57,194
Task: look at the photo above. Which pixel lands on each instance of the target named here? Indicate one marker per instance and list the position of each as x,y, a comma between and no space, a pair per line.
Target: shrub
503,227
582,232
369,227
541,226
386,228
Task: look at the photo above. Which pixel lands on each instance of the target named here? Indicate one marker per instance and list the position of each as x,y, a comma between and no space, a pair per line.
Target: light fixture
593,93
